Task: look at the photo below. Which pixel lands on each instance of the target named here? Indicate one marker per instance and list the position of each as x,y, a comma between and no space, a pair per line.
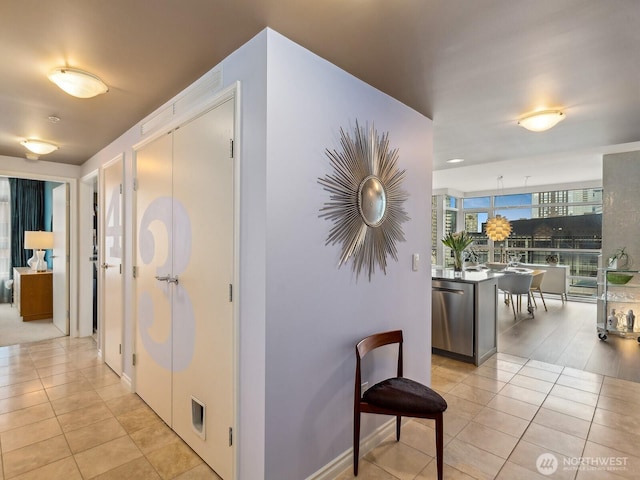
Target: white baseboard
126,382
339,464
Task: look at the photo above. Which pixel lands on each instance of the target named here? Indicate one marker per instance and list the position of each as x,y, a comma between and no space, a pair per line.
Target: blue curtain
27,214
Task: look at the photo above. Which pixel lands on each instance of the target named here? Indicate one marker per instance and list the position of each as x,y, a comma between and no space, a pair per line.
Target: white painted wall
36,169
299,316
316,312
248,65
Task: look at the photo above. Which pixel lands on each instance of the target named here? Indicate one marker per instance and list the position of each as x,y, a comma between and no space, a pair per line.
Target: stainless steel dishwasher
453,317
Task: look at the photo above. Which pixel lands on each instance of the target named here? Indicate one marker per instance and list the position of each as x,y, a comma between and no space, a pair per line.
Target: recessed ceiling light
456,160
77,82
53,119
541,120
39,147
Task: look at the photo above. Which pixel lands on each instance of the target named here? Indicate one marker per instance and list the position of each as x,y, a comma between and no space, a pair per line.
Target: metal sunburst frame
366,201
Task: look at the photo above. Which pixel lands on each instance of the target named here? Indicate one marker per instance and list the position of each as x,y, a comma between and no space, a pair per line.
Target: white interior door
60,227
203,386
154,342
111,318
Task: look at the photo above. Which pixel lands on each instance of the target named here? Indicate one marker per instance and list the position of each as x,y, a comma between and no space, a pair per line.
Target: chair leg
513,306
439,445
543,302
535,304
356,441
398,425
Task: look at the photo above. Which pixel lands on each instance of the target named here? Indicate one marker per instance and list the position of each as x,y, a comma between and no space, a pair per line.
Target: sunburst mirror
366,200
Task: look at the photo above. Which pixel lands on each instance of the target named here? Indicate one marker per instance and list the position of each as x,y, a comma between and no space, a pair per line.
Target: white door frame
103,203
61,299
72,279
85,248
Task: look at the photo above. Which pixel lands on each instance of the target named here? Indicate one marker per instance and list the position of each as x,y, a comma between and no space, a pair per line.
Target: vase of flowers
457,242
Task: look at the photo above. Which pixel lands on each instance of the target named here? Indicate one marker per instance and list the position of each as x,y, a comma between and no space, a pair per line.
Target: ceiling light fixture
456,160
77,82
39,147
541,120
498,228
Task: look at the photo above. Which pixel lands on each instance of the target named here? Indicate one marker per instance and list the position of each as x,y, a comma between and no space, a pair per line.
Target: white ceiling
472,66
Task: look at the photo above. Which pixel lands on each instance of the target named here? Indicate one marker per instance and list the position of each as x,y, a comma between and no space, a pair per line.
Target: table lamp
38,242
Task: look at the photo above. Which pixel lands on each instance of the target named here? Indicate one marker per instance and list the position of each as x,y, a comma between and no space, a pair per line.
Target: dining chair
536,284
517,284
397,396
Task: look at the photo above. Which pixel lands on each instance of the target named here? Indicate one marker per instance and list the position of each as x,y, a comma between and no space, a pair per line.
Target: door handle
167,278
106,265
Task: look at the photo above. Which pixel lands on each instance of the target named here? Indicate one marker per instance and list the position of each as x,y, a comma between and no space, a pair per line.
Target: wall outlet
364,386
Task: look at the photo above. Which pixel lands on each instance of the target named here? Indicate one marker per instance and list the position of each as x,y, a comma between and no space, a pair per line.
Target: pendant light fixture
498,228
77,82
541,120
39,147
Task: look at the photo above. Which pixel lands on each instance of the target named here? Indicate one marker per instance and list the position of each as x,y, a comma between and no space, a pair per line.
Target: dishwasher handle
448,290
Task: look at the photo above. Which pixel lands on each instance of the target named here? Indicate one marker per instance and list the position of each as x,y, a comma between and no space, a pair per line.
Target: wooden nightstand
33,293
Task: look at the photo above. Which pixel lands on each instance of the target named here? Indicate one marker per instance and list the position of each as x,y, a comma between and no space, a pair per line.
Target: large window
566,223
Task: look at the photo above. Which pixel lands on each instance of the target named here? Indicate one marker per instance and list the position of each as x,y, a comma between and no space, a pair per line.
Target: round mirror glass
372,201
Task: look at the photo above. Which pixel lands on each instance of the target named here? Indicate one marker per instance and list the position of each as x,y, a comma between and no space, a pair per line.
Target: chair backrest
515,283
538,276
505,281
521,283
372,342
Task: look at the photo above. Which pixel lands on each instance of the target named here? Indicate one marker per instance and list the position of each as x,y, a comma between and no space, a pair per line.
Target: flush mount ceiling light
542,120
456,160
77,82
39,147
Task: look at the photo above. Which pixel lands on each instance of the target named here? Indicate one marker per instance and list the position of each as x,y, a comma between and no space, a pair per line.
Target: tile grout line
529,421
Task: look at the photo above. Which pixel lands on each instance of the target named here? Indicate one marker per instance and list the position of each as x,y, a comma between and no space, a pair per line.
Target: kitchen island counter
464,314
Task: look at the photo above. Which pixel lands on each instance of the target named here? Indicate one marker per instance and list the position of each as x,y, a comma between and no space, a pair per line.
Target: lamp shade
542,120
38,240
77,82
498,228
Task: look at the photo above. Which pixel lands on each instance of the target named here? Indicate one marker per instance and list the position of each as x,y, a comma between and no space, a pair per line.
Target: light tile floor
506,413
65,415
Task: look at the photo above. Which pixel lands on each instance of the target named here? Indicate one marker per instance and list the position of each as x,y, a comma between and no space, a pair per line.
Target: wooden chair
536,283
398,396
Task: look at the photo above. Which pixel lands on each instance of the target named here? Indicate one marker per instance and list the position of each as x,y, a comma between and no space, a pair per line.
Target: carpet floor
13,330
